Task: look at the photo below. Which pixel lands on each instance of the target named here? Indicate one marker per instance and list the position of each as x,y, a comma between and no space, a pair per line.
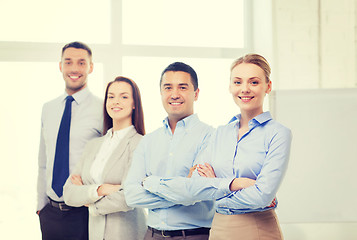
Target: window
205,35
126,39
196,23
55,21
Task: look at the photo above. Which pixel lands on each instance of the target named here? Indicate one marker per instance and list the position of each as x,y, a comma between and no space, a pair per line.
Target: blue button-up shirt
261,154
166,154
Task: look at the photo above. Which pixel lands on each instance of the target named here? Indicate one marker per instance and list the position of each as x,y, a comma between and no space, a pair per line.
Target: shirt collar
80,96
258,120
121,132
187,122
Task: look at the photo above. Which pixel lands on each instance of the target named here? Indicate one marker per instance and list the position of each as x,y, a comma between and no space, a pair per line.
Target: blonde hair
256,59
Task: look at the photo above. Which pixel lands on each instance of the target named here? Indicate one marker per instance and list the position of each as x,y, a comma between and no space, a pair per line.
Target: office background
311,45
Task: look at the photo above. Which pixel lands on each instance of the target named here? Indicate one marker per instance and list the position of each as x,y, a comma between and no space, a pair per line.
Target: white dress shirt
109,144
86,124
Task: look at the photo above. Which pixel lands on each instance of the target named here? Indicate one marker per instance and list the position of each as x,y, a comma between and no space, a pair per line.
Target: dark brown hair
137,117
78,45
182,67
256,59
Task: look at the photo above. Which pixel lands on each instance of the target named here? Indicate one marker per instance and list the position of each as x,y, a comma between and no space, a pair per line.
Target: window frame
111,55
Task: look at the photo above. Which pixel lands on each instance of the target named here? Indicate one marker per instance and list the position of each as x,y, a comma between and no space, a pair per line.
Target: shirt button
171,154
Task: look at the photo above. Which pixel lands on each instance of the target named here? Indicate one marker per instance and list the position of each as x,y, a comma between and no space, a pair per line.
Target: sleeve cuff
223,187
151,183
93,194
92,210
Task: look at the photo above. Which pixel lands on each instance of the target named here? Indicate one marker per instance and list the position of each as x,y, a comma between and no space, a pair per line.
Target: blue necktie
61,163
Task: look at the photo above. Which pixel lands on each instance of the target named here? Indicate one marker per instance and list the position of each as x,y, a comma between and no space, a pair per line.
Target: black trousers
64,225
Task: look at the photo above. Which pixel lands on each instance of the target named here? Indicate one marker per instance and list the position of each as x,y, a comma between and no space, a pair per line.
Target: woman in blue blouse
249,156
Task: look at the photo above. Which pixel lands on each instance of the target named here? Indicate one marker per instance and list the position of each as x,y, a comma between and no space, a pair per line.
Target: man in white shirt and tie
67,123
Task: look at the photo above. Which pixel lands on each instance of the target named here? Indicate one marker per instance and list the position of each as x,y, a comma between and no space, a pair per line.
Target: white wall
314,43
314,47
316,189
320,231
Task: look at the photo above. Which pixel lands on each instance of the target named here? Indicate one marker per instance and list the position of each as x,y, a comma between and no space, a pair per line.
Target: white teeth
74,77
246,98
175,103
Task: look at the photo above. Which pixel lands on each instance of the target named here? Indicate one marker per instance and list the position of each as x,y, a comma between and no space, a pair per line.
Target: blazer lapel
86,177
118,152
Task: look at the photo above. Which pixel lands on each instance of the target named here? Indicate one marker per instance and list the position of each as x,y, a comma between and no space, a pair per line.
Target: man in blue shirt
170,151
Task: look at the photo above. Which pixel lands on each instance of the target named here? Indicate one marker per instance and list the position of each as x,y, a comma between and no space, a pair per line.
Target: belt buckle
163,234
62,207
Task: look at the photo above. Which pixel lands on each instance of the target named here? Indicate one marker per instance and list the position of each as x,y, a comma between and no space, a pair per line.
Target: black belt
175,233
60,205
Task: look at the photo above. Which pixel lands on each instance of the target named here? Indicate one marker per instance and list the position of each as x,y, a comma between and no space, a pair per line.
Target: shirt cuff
92,210
151,183
93,193
223,187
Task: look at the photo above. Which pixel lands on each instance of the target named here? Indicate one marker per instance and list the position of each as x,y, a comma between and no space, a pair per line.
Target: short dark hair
78,45
137,117
182,67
